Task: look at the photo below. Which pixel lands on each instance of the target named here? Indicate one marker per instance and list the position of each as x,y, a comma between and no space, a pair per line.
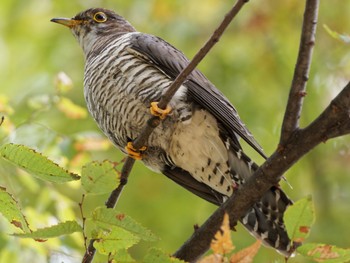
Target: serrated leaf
155,255
247,254
10,209
299,218
70,109
324,253
99,178
112,239
36,164
111,217
64,228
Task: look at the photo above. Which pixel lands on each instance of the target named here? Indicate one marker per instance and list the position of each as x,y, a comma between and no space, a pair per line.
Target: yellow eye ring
100,17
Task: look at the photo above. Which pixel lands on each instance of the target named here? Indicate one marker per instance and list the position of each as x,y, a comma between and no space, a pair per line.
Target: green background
252,64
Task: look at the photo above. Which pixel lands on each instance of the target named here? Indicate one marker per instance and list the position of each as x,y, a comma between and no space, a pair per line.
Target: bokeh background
252,64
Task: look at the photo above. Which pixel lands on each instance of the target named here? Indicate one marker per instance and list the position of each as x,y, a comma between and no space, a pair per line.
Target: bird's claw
134,153
156,111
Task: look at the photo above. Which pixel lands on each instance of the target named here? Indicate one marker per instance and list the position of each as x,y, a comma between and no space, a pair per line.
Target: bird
197,142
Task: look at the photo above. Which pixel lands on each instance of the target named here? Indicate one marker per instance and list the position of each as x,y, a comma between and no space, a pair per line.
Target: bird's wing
187,181
171,61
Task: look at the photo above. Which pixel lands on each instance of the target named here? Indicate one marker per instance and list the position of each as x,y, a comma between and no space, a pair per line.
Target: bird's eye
100,17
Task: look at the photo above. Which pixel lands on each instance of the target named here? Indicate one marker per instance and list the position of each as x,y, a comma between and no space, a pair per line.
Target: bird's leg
156,111
134,153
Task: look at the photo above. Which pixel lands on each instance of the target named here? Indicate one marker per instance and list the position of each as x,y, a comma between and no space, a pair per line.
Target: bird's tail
265,221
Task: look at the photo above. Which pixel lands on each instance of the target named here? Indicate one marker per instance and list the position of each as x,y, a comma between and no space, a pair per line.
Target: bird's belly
197,148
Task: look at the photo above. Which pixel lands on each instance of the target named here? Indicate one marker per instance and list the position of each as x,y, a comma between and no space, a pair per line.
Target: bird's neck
101,43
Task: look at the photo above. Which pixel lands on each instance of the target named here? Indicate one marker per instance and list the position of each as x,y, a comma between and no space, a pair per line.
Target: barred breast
118,89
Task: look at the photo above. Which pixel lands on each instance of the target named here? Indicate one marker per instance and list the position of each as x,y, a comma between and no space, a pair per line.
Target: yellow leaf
246,255
222,244
92,144
70,109
214,258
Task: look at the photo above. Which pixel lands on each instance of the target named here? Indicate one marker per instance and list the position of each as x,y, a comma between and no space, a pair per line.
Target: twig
153,122
83,218
301,71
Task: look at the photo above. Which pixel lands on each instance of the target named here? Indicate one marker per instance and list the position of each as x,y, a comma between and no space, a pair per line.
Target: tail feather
265,221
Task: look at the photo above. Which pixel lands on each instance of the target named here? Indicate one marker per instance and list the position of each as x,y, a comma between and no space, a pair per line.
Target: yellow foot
156,111
133,153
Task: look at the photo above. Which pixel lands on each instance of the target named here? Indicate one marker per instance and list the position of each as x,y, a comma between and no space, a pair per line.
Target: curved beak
68,22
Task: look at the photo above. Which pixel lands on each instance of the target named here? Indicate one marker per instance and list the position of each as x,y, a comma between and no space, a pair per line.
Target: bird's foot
134,153
156,111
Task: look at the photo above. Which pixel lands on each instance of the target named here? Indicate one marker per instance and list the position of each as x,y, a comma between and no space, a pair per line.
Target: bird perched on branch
197,143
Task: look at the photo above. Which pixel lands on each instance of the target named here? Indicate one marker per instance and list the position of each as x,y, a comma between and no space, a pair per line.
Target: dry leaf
213,258
247,254
222,244
325,251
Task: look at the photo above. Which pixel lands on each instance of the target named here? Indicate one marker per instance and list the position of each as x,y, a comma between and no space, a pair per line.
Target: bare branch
333,121
153,122
301,71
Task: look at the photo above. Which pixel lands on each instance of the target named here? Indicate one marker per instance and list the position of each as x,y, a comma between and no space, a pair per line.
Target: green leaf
299,218
10,209
99,178
64,228
112,239
324,253
36,164
111,217
155,255
123,256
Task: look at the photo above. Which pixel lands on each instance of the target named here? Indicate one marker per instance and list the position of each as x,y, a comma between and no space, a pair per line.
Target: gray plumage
197,145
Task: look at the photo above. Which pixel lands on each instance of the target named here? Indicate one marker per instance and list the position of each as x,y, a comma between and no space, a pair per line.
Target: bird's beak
68,22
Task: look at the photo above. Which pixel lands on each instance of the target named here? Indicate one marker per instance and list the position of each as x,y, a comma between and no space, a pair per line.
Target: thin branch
110,203
301,71
153,122
334,121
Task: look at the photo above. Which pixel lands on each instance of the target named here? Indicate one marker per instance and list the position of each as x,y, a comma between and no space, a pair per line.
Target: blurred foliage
252,64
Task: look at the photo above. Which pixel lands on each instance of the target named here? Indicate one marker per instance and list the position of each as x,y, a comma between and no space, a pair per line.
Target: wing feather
187,181
171,61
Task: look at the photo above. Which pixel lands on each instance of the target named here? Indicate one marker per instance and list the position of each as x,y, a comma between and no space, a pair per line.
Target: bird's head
95,26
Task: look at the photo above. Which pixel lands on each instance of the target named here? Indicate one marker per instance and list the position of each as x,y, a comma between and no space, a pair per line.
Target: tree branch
292,140
334,121
301,71
153,122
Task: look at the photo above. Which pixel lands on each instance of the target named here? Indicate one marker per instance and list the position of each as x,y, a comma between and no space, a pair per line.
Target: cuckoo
197,143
